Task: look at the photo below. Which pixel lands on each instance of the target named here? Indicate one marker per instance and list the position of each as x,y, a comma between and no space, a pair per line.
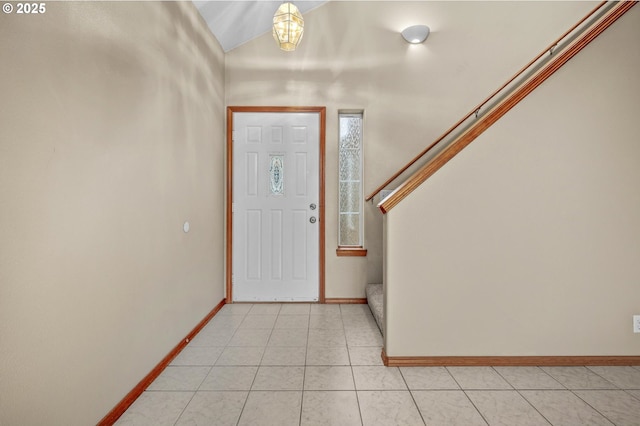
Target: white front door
276,186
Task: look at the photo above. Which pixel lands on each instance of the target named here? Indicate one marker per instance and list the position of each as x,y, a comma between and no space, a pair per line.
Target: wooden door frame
229,231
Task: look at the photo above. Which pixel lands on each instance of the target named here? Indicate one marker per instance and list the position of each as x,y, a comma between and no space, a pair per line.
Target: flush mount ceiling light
288,26
416,34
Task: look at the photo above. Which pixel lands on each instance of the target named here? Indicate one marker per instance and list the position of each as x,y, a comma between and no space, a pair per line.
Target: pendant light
288,26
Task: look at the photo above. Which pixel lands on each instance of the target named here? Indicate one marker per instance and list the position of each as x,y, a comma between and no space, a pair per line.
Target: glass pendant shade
288,26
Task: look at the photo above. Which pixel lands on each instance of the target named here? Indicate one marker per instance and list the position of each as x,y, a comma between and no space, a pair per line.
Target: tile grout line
193,396
353,376
582,399
553,378
468,398
566,388
522,396
244,405
603,378
304,369
204,378
632,395
412,397
592,407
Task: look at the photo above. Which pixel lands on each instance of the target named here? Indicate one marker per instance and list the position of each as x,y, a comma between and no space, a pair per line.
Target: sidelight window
350,190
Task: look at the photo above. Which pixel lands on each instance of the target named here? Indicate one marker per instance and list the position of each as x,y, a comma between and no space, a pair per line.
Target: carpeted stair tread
375,301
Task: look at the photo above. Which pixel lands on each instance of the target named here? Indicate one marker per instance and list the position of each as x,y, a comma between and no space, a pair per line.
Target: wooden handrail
499,110
481,104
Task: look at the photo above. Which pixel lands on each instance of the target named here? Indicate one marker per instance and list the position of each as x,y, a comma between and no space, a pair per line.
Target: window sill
351,251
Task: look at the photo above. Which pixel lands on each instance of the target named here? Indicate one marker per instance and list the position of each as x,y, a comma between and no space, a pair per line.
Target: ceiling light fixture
288,26
416,34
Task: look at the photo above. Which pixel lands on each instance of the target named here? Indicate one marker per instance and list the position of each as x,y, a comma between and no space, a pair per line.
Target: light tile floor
302,364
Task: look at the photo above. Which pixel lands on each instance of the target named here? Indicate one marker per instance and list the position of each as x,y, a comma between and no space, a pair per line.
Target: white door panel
275,181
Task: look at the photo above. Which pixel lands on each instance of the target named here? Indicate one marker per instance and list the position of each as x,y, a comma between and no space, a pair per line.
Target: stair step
375,299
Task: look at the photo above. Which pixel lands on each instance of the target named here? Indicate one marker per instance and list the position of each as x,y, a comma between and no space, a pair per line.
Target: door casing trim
321,111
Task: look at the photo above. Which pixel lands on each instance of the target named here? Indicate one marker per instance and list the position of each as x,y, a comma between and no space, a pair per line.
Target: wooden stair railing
501,107
482,104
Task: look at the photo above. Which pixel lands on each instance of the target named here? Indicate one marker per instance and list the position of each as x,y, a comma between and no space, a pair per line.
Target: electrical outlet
636,323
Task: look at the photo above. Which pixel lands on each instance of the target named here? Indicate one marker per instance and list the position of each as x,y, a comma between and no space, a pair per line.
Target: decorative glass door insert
276,174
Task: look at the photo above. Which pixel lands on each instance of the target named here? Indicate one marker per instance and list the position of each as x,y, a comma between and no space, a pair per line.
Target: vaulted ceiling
236,22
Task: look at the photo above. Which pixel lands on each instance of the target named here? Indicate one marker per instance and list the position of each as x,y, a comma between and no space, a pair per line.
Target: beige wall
353,57
526,243
112,137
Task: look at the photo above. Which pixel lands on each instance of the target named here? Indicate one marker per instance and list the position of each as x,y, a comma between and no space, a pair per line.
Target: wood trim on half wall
130,398
322,111
512,361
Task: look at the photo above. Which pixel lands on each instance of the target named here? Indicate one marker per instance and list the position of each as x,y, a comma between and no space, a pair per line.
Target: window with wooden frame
350,188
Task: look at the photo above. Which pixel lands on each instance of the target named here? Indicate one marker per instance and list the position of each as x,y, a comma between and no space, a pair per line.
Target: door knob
312,206
312,219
